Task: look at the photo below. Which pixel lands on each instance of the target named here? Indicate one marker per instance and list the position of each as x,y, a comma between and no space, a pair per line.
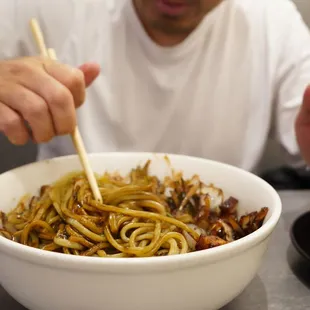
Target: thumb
91,72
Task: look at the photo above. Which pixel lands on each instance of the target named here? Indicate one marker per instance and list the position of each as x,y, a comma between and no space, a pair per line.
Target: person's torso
211,96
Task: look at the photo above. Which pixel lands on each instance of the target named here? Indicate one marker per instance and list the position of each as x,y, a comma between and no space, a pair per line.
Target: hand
302,127
43,94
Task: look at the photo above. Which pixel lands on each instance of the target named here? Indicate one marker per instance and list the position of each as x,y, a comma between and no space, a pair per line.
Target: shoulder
273,22
266,12
264,18
265,6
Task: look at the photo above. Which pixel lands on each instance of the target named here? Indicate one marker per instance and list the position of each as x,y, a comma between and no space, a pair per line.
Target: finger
62,108
57,96
71,78
13,126
32,108
302,126
91,72
304,112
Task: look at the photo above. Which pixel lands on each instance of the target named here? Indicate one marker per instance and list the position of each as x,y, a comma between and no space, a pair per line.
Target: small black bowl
300,235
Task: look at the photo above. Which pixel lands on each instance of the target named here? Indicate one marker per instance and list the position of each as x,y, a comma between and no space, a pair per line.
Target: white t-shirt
215,95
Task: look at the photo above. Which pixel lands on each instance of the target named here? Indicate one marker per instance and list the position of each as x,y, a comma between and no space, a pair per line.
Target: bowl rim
128,265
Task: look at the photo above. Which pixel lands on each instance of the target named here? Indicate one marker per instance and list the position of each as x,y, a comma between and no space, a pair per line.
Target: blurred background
271,168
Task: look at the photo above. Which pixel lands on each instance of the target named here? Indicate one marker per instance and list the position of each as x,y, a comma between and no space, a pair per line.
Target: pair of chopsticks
76,136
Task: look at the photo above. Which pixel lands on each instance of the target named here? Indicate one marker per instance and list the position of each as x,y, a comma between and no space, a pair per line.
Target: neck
165,40
164,37
160,37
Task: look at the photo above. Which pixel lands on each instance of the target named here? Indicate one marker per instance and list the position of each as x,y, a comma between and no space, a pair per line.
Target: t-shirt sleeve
292,71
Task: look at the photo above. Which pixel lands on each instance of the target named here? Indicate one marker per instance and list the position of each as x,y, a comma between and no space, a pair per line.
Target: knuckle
76,84
18,67
34,110
15,67
23,96
60,96
10,124
66,127
76,78
62,107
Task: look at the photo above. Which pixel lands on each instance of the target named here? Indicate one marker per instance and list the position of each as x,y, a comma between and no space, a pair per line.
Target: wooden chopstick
76,136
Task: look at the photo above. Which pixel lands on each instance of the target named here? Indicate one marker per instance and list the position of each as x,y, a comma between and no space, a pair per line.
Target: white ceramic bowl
203,280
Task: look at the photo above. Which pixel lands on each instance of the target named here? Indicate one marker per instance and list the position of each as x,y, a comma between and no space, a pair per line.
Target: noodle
140,216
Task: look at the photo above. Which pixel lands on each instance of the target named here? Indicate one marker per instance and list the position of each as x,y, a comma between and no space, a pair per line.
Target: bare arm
293,77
